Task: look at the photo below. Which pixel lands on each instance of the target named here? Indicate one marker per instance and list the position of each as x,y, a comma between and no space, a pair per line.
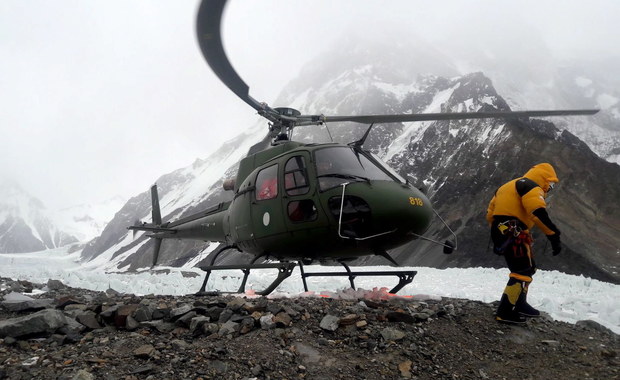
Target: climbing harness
516,236
510,226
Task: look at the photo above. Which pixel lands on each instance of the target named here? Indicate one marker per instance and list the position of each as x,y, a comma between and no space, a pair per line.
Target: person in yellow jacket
516,207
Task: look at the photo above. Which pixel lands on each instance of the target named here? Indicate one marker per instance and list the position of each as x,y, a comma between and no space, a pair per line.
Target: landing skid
405,276
285,270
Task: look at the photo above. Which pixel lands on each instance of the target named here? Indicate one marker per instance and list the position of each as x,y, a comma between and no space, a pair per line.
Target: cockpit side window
267,183
389,169
371,169
296,176
340,164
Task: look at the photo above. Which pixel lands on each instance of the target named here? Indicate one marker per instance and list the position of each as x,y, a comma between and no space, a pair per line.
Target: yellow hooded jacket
520,197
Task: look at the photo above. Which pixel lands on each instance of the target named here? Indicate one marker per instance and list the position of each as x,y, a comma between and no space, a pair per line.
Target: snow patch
468,105
105,260
415,130
440,98
614,158
400,91
490,100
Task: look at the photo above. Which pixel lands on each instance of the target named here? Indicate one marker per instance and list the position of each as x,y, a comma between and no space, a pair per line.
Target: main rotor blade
208,30
368,119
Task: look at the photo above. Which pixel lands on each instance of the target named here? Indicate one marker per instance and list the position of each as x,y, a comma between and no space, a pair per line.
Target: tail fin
157,229
156,213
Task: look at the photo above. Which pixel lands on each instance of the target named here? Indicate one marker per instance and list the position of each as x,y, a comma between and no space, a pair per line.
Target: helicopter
301,203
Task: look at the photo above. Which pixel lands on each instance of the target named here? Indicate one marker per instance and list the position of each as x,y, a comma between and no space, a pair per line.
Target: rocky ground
68,333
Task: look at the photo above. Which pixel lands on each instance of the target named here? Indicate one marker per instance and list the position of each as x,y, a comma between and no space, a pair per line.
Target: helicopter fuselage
315,202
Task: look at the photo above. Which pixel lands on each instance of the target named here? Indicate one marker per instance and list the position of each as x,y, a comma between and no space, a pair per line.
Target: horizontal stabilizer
151,228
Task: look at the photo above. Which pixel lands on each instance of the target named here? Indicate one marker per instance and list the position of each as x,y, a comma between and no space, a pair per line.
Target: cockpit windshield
340,164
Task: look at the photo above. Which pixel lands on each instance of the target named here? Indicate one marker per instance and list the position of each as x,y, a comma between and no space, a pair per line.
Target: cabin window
296,176
267,183
302,211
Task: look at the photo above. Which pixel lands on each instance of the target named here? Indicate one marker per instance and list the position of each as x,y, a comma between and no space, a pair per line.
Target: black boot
506,312
524,308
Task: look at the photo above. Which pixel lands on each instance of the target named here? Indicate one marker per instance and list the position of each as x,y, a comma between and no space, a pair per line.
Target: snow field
565,297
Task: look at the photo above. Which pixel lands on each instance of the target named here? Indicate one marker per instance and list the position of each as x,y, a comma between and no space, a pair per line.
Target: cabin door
267,212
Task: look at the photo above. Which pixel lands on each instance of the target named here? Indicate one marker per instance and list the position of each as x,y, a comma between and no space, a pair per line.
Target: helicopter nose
406,209
380,208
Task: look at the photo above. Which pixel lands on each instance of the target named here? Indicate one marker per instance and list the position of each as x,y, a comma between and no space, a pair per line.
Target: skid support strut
214,256
404,276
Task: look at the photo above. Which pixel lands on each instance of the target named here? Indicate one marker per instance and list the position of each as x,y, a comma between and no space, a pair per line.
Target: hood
542,174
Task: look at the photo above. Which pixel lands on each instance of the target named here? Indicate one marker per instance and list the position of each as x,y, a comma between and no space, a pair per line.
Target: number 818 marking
416,201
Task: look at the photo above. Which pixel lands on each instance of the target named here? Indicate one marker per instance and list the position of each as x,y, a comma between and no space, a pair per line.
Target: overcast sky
99,98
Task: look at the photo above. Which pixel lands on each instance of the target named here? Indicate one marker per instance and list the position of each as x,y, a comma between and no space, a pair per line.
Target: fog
99,98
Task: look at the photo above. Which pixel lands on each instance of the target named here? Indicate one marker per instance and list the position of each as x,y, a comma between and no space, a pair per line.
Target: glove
556,245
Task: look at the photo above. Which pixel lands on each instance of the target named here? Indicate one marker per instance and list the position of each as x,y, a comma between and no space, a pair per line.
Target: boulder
120,318
88,319
330,322
17,302
42,322
392,334
229,328
55,285
179,311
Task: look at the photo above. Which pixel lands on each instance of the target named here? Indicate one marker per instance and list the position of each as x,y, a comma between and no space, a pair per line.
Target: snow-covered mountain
573,84
460,163
25,225
531,78
354,76
87,221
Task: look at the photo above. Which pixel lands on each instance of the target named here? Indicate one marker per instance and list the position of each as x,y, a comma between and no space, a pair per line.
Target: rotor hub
286,111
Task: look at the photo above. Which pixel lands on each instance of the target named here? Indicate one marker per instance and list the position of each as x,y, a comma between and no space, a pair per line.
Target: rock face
159,337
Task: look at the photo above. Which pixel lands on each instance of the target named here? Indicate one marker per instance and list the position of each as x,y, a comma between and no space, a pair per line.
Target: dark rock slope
69,333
